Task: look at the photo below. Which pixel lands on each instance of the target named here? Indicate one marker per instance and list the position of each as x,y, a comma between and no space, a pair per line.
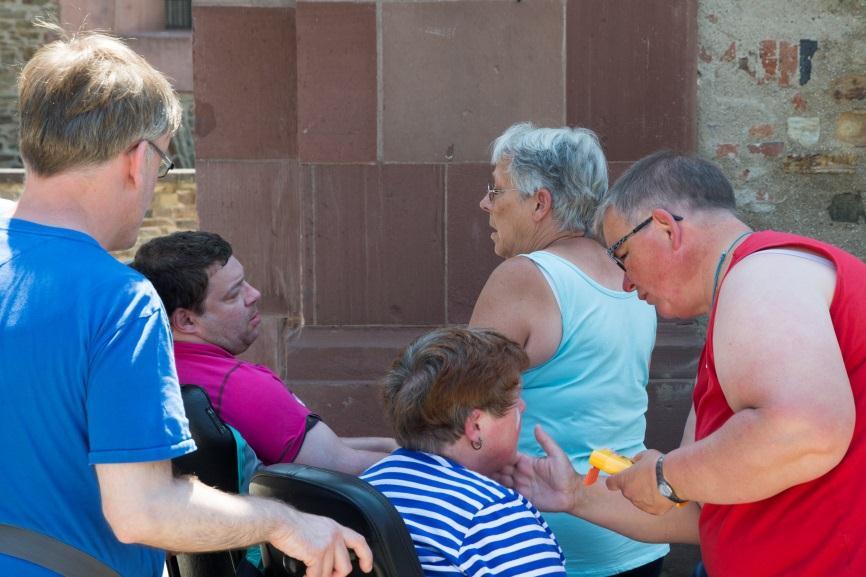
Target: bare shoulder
518,273
773,333
794,272
514,300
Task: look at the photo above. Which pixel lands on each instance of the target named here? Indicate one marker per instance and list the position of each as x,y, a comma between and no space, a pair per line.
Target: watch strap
664,487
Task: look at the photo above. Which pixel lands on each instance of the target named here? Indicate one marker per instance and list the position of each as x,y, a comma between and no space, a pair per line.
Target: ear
670,226
137,164
184,322
472,426
543,204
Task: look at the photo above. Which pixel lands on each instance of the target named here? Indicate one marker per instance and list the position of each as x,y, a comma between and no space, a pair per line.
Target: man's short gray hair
568,162
668,180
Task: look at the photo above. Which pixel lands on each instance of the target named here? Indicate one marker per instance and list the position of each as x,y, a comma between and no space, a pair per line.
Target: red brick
767,148
730,54
767,53
726,150
761,131
788,54
799,102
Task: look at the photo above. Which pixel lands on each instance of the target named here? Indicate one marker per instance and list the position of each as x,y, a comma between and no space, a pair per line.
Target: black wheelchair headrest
351,502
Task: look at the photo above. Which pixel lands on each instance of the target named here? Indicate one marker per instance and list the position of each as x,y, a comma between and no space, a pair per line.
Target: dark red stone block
470,250
255,206
336,82
378,246
245,82
649,102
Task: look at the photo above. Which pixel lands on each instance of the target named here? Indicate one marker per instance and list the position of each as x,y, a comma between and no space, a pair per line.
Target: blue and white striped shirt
463,523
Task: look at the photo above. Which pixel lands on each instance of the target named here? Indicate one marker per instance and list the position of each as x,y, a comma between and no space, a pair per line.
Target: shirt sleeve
269,416
510,539
134,407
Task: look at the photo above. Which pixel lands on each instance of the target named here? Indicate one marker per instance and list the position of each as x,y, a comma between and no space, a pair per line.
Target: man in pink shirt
214,316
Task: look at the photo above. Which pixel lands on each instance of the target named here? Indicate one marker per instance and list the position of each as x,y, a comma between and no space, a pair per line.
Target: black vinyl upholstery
215,463
349,501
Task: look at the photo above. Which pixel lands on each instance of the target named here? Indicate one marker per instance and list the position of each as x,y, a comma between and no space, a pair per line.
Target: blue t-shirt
87,377
463,523
590,395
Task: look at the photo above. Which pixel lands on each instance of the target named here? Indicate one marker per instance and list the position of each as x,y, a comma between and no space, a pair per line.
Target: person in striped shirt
453,397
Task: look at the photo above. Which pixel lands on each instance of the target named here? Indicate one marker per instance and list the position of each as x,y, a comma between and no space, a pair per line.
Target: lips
256,320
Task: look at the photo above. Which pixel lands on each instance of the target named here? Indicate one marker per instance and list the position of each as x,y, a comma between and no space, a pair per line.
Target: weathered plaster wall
782,108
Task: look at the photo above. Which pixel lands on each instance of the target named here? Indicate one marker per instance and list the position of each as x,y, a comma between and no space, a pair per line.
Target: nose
627,284
485,203
253,295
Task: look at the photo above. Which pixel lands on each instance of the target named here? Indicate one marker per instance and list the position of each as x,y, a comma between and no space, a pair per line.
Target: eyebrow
235,285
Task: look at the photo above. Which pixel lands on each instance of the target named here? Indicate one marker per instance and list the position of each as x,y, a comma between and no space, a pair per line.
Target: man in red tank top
769,471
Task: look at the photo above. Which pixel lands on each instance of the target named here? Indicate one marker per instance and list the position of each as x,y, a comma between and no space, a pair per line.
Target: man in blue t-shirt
90,409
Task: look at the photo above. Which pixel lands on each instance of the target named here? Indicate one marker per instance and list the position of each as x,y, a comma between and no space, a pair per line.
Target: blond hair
85,98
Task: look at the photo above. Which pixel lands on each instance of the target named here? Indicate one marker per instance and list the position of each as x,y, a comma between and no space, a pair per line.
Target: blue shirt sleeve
134,407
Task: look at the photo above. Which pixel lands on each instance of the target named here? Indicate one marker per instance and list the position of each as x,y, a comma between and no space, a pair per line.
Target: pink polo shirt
250,398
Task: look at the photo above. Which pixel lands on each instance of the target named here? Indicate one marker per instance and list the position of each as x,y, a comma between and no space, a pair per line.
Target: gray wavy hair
566,161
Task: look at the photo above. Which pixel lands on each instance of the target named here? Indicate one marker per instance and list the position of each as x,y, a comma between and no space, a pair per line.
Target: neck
67,200
725,246
555,238
461,452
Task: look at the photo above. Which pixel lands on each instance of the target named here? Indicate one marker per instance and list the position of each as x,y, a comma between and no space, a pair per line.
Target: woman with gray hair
559,296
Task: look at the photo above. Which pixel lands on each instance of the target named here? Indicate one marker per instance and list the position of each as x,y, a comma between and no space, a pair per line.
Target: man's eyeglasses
613,248
493,192
165,163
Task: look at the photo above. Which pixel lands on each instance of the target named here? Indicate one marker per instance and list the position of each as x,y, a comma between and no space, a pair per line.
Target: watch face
665,490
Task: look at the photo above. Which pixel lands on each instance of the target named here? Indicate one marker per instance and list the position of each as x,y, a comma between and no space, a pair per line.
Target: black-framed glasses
611,250
165,162
493,192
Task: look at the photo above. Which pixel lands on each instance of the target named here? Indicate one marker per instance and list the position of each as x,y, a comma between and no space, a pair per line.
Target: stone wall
782,108
19,39
168,51
172,209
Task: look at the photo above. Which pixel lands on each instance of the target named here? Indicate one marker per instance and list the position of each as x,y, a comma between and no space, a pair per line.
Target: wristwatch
664,487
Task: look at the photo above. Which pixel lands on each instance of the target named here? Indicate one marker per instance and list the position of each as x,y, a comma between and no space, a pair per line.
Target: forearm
193,517
611,510
345,459
375,444
323,448
756,454
144,504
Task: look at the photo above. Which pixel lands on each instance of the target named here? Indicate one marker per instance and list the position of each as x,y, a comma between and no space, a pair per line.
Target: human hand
322,545
638,484
549,482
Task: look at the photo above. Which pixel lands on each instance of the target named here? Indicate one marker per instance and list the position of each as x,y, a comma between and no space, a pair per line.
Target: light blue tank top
591,394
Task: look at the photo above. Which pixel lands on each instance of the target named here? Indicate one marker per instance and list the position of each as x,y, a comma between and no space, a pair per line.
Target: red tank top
816,528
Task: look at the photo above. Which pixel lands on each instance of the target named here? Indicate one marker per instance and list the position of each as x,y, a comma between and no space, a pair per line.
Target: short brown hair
437,381
83,99
179,265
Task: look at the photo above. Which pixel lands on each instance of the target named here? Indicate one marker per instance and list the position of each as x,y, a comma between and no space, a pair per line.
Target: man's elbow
131,522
